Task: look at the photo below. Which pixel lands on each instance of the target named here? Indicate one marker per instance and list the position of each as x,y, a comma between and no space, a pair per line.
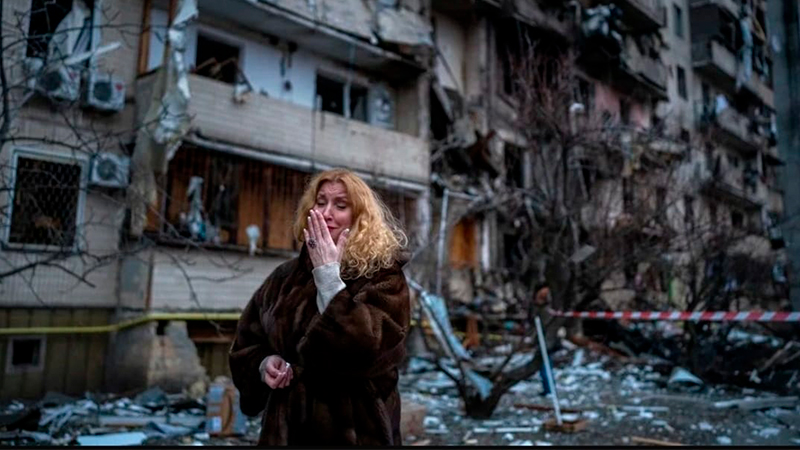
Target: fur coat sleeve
362,330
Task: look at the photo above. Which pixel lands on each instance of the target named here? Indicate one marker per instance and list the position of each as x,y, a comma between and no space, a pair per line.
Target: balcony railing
733,127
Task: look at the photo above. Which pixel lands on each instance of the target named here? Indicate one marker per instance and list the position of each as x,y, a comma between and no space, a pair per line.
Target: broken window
678,20
344,99
25,354
46,199
43,29
232,194
686,136
681,78
216,59
733,161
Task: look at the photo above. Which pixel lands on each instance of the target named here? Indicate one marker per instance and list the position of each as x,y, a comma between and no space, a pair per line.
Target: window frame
347,85
678,28
683,88
56,157
26,368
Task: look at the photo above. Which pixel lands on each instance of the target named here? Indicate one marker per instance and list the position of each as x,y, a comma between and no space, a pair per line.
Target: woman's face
334,205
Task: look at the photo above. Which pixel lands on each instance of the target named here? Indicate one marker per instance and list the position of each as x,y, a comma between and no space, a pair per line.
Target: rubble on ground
624,401
152,417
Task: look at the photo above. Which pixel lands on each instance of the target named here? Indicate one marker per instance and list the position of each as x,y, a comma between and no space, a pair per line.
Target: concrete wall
452,44
217,285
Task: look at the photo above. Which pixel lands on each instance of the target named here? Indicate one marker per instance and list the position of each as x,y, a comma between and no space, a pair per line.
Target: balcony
643,15
651,74
720,64
732,128
276,127
729,187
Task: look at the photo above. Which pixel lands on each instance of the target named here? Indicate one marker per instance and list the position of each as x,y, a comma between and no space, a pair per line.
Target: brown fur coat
345,360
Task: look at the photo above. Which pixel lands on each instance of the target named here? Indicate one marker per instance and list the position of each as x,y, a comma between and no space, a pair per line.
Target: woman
317,347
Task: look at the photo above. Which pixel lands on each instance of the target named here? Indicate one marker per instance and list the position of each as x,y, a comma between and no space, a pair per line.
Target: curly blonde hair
375,238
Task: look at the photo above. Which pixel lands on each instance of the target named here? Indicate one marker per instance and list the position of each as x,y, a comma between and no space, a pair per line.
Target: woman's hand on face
321,247
276,372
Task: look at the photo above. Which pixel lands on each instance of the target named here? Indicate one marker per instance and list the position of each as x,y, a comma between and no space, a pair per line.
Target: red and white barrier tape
699,316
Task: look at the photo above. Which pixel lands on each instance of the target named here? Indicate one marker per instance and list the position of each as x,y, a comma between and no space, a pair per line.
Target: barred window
45,205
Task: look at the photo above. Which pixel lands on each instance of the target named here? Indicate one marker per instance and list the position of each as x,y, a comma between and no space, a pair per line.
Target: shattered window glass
330,94
216,59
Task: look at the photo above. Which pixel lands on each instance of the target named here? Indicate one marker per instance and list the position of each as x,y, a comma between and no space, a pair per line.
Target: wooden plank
144,37
55,364
96,355
251,201
464,244
33,384
285,189
648,441
75,383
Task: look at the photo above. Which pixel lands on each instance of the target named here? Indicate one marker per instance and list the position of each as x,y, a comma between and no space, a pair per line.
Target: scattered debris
683,376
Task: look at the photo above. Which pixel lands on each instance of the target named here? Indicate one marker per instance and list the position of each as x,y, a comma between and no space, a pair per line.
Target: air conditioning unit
104,92
61,83
110,170
381,107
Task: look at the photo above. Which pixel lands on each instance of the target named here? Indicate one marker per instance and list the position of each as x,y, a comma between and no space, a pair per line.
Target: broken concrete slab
752,404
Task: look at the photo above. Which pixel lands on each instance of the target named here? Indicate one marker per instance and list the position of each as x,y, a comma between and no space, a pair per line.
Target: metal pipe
548,370
440,243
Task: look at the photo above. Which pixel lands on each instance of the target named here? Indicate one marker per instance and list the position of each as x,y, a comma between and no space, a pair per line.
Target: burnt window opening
45,16
627,195
625,112
661,203
515,166
216,59
737,219
161,328
712,214
688,211
733,161
677,13
25,354
685,136
585,94
45,202
345,99
681,79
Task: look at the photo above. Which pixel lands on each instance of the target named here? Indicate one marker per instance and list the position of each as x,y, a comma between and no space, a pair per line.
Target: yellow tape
152,317
119,326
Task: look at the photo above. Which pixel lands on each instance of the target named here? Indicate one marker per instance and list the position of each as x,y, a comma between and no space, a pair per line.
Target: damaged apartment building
691,78
179,135
163,208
